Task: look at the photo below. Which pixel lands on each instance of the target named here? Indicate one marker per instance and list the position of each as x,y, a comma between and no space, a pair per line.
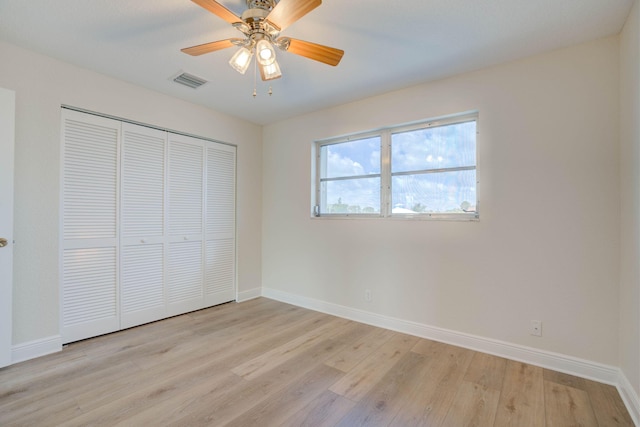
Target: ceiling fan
261,25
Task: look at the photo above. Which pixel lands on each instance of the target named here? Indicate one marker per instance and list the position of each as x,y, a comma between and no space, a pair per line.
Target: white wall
547,245
42,85
630,198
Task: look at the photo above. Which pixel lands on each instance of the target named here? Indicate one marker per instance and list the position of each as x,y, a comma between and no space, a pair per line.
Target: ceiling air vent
190,80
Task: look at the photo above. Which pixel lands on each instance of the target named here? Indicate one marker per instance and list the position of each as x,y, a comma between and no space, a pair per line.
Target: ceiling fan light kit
266,53
261,25
270,72
241,59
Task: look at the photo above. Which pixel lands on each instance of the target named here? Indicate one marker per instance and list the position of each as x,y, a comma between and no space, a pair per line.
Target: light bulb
266,53
241,59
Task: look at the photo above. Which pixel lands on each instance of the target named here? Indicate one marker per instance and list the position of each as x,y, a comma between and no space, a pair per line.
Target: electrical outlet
536,328
367,295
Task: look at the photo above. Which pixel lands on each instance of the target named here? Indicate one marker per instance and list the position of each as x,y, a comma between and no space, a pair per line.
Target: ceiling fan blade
317,52
287,12
218,9
201,49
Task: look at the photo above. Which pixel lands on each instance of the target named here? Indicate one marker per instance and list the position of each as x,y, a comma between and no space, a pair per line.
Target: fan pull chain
255,81
255,78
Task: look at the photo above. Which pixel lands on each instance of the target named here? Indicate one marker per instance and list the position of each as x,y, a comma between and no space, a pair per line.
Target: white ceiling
388,44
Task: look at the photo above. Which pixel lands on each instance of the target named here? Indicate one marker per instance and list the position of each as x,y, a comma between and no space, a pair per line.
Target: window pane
434,148
351,196
443,192
353,158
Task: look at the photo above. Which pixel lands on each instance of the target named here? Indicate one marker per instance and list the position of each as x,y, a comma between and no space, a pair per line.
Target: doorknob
3,242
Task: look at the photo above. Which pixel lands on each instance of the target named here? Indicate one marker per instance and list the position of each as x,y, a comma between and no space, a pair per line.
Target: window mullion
349,177
318,169
426,171
385,179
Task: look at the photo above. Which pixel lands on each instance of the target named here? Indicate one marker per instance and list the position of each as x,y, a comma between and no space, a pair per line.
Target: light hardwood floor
265,363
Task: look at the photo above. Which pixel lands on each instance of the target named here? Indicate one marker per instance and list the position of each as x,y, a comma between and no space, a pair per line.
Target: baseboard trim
555,361
250,294
629,397
37,348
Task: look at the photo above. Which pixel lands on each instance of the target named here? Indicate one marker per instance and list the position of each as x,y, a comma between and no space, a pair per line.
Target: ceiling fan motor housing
261,4
255,25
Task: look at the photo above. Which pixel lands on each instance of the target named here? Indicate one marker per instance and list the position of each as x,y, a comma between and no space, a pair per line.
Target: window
425,170
350,177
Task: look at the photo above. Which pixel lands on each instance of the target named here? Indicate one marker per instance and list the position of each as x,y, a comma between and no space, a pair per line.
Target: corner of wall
629,397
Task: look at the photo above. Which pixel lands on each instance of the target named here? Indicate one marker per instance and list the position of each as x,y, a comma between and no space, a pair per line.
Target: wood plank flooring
265,363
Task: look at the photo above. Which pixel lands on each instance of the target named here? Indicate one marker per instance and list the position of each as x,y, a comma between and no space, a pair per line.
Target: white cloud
343,166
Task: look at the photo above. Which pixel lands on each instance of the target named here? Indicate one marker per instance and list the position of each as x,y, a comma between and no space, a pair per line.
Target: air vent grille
189,80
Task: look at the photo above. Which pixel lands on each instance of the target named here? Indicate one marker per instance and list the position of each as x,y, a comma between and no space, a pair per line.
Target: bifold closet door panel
89,229
148,225
220,272
220,247
185,290
142,254
89,293
142,279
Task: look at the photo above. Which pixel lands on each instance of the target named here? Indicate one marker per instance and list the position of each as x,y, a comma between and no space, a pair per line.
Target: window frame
320,180
386,174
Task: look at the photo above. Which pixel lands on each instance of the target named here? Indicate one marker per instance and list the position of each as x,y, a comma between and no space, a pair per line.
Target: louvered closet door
89,260
185,290
220,254
142,253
